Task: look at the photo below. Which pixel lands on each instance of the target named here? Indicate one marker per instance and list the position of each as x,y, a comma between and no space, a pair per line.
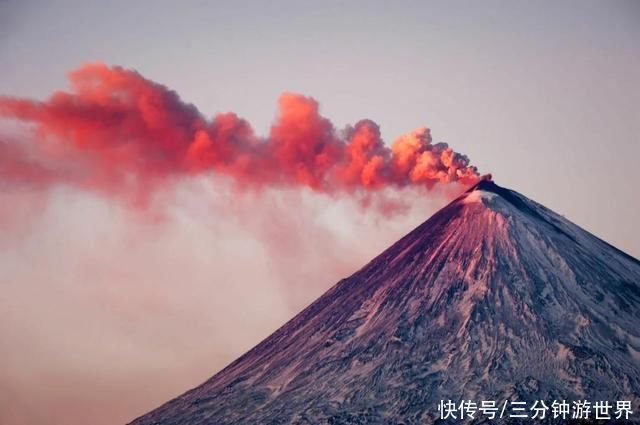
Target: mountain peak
485,181
486,184
486,190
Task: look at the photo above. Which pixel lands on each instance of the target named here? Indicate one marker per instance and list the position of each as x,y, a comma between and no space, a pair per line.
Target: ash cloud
116,131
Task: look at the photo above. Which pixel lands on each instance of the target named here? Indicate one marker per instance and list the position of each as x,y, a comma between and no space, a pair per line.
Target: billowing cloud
116,130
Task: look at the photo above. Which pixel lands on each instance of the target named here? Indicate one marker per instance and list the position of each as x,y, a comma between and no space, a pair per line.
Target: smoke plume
108,313
116,130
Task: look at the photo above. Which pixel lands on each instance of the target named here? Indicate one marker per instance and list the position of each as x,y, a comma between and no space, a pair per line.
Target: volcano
495,297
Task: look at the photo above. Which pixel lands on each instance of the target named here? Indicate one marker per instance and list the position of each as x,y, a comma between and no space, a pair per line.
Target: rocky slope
494,297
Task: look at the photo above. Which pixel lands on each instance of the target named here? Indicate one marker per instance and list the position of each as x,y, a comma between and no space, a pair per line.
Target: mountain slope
494,297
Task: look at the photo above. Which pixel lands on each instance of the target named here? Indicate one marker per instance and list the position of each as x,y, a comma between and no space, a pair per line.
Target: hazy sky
544,95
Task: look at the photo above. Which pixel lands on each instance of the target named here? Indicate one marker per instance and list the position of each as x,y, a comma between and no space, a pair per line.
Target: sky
109,310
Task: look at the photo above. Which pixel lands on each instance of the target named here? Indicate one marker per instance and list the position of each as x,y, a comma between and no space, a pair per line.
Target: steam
116,131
